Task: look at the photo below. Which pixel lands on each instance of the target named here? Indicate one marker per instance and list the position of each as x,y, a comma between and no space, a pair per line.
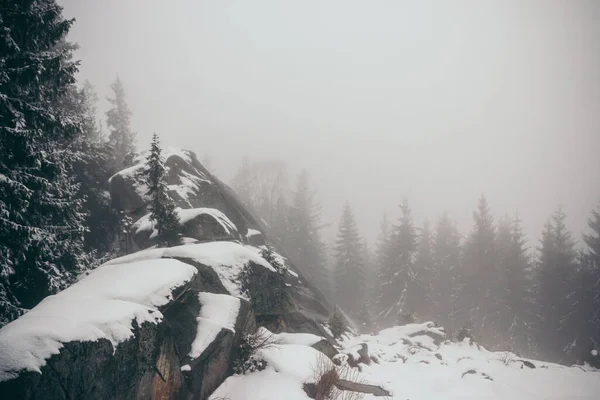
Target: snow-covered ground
410,365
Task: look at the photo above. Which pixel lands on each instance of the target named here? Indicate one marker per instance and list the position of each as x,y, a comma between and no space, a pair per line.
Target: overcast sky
438,101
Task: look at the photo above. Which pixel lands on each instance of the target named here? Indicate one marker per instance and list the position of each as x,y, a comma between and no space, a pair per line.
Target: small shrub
245,360
325,377
337,324
266,290
270,256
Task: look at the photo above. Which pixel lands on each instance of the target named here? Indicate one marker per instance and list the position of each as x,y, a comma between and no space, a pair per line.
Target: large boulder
190,186
163,323
199,224
137,326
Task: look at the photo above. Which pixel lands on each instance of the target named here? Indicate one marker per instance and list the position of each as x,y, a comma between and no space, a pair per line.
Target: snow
288,367
411,371
253,232
226,258
278,257
305,339
264,385
186,367
186,215
217,312
294,360
594,352
102,305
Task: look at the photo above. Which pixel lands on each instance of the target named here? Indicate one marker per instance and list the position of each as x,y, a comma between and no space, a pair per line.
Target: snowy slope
226,258
410,365
102,305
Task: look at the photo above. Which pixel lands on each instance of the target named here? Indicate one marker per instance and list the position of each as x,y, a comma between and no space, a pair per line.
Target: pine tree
92,169
118,121
479,298
162,207
447,279
306,247
556,266
242,184
92,130
593,242
349,279
40,221
515,316
583,317
337,323
424,274
398,289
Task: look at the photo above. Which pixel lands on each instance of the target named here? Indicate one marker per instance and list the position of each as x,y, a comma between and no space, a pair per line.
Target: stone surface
148,366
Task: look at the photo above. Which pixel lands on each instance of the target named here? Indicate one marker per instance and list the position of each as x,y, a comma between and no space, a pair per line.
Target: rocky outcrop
156,361
190,186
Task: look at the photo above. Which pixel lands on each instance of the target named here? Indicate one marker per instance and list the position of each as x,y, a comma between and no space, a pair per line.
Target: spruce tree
446,280
162,207
92,169
306,247
348,275
582,321
480,276
515,315
41,226
557,265
118,121
424,274
92,130
398,279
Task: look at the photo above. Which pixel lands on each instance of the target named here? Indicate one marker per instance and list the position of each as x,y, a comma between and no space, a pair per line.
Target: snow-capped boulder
201,224
141,326
190,186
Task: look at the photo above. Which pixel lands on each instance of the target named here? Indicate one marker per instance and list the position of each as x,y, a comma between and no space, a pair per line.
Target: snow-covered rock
103,305
202,224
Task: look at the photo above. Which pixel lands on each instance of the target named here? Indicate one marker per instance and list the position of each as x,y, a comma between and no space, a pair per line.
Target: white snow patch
253,232
264,385
102,305
226,258
594,352
186,368
217,311
304,339
186,215
293,360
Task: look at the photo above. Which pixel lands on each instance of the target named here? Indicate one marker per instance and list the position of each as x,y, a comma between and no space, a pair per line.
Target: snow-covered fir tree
397,293
306,247
118,121
41,227
446,279
162,207
348,273
478,299
424,274
557,263
516,316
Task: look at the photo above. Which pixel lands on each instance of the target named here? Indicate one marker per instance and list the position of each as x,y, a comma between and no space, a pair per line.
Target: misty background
436,101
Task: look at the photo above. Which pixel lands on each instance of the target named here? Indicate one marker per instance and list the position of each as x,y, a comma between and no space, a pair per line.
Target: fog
436,101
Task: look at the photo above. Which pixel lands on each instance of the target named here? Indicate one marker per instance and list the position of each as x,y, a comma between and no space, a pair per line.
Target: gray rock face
148,366
190,186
